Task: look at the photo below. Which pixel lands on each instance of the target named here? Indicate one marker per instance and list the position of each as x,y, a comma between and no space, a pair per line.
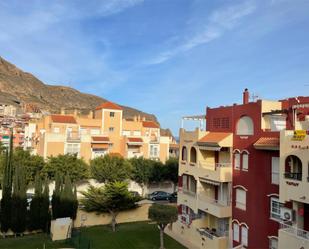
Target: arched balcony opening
184,154
293,168
193,155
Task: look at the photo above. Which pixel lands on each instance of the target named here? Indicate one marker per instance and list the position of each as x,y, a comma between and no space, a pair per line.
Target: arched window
236,159
245,126
245,160
193,155
184,154
293,168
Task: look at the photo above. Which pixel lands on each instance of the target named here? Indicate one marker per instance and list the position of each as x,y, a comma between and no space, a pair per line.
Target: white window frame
275,167
235,232
72,149
244,235
271,245
154,151
237,161
245,161
241,198
95,132
275,207
56,130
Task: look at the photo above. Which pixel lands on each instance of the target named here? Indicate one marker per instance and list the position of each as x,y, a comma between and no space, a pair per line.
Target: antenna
254,97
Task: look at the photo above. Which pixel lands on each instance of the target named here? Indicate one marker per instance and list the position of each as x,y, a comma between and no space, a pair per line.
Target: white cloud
217,24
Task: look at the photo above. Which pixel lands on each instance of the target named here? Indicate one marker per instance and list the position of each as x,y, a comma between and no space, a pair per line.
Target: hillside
17,87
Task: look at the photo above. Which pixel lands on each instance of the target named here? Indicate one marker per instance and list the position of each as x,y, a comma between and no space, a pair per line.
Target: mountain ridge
18,87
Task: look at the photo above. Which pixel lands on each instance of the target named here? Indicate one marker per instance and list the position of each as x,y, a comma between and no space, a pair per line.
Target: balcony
211,239
292,237
219,172
220,209
73,137
293,176
187,198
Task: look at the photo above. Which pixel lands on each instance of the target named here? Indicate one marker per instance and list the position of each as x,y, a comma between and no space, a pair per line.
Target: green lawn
31,242
140,235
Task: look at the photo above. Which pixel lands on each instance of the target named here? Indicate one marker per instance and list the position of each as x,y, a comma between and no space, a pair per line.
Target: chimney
245,97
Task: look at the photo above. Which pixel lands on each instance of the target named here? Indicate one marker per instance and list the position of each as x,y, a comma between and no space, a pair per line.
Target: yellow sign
299,135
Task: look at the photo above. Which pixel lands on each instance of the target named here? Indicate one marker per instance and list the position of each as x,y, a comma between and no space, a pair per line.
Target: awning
99,146
135,141
202,179
99,140
212,148
216,139
267,143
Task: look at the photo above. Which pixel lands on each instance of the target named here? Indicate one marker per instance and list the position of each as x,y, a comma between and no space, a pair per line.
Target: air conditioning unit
287,214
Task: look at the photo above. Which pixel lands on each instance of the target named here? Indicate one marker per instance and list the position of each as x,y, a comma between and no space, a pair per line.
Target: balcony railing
211,234
294,176
295,231
73,137
223,203
215,166
188,192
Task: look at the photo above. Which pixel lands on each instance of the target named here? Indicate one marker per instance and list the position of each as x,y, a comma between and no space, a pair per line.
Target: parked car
173,197
159,196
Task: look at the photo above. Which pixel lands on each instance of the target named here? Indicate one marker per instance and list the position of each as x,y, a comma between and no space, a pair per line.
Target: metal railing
73,136
188,192
215,166
295,231
294,176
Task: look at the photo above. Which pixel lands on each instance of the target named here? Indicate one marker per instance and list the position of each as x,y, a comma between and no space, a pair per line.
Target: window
56,129
273,243
236,232
95,131
184,153
237,160
111,129
72,149
126,133
154,150
137,133
244,126
241,198
275,170
244,236
277,123
110,145
112,114
193,155
245,159
275,207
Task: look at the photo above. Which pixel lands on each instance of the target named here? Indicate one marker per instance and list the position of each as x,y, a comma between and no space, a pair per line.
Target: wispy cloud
218,23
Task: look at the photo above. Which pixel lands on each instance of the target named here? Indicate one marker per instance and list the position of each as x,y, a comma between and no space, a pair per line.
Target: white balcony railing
188,192
295,231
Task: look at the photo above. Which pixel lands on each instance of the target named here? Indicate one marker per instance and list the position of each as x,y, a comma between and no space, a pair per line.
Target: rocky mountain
18,87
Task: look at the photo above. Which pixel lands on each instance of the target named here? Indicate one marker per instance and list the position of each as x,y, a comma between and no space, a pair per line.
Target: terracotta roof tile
109,105
63,119
214,137
150,124
267,142
135,139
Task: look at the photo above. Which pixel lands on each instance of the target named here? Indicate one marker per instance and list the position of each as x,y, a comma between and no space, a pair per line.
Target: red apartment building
239,148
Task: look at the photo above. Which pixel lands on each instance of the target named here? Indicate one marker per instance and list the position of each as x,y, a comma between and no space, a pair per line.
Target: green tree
32,163
157,172
64,200
110,169
141,171
6,201
162,215
171,171
112,198
19,201
67,164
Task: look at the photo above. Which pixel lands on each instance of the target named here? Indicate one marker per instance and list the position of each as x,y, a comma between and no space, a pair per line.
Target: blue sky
167,57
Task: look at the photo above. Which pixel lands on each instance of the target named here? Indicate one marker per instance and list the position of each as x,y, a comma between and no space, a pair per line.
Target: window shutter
237,161
245,161
236,232
244,236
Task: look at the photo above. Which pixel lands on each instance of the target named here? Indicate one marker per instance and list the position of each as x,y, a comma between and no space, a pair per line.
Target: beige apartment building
103,131
294,187
204,194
